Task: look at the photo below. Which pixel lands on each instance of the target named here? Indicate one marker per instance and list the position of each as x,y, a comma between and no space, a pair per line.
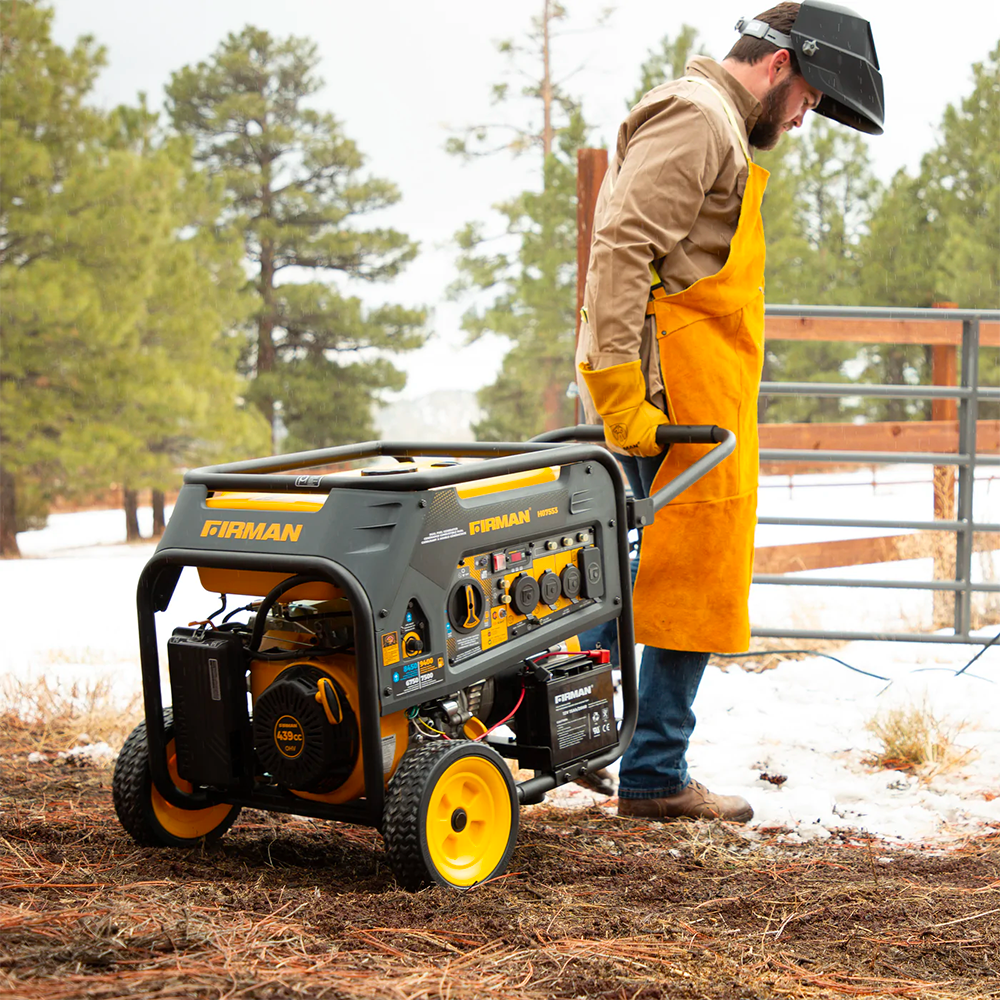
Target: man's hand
619,395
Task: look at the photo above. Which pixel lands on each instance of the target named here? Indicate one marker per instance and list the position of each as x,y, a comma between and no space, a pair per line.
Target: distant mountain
446,415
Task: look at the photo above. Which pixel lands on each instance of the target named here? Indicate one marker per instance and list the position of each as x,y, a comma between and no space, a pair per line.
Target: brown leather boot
694,802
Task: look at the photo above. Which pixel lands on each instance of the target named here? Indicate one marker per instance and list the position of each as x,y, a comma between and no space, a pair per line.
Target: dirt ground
592,906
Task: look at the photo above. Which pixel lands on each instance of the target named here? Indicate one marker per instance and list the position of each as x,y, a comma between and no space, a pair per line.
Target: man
673,332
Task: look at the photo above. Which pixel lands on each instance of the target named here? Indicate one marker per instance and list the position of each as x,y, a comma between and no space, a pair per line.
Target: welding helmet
836,55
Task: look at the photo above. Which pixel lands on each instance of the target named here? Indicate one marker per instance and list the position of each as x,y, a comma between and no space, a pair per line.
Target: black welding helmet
836,55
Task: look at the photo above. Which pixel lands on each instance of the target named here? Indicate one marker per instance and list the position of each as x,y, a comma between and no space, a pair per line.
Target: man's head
810,55
773,76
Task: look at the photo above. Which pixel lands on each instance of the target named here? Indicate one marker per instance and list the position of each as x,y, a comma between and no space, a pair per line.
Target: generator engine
304,730
300,727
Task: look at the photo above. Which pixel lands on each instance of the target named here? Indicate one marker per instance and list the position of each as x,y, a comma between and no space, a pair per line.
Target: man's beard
771,124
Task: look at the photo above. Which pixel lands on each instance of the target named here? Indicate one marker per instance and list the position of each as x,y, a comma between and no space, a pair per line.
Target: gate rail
968,393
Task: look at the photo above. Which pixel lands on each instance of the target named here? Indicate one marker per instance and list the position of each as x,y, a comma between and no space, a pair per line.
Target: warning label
496,632
390,649
444,534
583,721
388,752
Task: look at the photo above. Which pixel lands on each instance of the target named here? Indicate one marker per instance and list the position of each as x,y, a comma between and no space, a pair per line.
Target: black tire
137,801
451,815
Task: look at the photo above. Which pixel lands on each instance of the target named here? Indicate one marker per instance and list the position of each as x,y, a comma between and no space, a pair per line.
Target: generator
396,639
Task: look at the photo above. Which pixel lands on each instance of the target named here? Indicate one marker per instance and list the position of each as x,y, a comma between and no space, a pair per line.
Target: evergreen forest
175,284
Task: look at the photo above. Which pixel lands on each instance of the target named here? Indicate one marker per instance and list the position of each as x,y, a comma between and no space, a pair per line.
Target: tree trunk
895,363
762,400
131,504
159,520
266,353
546,81
8,516
552,398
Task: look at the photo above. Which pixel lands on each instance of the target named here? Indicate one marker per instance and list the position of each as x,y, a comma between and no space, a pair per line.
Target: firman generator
398,631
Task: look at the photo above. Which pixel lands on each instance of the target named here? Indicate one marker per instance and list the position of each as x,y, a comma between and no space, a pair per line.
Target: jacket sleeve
671,162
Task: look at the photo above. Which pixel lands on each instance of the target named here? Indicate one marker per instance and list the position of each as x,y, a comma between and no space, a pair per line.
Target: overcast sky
399,74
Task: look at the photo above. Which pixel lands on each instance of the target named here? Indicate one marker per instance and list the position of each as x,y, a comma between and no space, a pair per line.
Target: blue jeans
654,765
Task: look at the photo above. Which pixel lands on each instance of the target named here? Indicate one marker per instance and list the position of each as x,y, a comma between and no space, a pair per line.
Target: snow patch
94,753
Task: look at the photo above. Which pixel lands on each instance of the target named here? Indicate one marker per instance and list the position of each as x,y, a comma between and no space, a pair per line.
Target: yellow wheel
145,813
451,815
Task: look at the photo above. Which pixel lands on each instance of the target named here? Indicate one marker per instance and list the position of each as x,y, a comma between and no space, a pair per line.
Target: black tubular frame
159,577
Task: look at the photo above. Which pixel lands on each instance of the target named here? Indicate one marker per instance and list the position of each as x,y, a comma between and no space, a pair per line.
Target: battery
567,714
212,735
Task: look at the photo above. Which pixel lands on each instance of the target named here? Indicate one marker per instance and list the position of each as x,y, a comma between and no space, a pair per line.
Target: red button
499,562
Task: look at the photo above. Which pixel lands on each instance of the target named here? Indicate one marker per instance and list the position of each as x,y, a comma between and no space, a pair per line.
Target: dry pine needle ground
592,907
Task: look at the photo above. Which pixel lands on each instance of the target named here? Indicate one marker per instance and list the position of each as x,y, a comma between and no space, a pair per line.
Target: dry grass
913,738
41,717
591,906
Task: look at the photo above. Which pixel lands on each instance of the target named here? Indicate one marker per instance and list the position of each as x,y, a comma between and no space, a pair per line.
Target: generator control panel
495,596
503,593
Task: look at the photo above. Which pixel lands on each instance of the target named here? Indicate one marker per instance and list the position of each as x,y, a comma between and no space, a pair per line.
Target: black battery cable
809,652
980,653
857,670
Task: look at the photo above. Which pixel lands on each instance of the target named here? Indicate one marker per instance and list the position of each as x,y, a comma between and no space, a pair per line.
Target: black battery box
212,734
568,711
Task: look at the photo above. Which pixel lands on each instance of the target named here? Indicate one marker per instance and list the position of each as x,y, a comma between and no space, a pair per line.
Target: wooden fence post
591,166
944,371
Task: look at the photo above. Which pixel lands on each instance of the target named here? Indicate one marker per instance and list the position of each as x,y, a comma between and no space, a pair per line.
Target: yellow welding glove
619,395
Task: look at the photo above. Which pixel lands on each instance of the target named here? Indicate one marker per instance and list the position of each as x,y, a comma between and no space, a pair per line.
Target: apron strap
727,107
656,289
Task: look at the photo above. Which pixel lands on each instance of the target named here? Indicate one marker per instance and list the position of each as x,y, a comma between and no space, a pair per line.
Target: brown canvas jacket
671,196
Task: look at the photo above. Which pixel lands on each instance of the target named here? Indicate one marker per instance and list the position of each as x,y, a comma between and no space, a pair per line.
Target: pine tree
296,191
961,178
112,318
533,278
667,62
183,399
962,175
816,210
70,285
936,237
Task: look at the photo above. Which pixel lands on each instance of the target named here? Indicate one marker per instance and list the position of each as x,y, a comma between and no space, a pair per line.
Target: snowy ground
69,610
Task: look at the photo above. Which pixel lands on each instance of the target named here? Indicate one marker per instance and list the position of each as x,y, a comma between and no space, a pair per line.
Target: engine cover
305,732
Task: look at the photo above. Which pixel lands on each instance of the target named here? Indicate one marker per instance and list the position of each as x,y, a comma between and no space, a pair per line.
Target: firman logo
573,695
259,531
495,523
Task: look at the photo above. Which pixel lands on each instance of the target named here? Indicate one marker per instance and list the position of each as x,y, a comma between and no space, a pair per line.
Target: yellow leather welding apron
696,559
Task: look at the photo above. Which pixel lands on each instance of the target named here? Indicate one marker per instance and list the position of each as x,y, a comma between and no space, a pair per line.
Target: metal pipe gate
968,393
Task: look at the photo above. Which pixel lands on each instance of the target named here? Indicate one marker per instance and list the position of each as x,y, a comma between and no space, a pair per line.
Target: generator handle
725,446
666,434
642,512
